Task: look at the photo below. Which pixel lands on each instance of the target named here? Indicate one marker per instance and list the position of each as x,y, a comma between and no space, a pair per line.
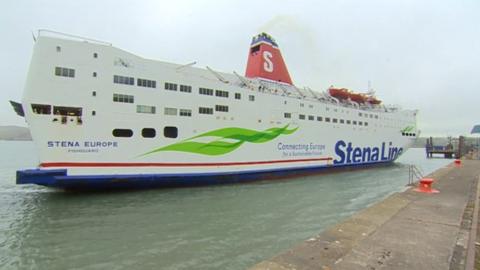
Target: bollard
425,186
458,162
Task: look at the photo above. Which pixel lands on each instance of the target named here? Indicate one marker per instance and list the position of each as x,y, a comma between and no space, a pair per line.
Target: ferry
101,117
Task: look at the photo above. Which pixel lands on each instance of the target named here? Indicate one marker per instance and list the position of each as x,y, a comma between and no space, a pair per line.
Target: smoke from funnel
300,49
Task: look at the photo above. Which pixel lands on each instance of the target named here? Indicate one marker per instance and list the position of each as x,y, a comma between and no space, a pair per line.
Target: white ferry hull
89,134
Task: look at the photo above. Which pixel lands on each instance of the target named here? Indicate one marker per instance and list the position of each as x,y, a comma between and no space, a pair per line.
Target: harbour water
218,227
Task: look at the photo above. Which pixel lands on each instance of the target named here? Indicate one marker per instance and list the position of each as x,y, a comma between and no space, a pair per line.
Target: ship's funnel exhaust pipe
265,60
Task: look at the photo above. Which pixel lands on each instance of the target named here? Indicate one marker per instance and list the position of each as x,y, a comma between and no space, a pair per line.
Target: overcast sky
417,54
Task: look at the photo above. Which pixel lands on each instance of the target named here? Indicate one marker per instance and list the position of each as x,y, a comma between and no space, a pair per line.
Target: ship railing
414,174
50,33
267,87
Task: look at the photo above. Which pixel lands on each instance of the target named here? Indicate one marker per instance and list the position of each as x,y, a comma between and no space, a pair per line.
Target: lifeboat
373,100
345,94
340,93
359,98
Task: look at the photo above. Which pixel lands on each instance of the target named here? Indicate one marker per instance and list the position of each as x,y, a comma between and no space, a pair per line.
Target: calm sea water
221,227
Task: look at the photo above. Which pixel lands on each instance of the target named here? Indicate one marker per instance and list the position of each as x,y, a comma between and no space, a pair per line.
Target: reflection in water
222,227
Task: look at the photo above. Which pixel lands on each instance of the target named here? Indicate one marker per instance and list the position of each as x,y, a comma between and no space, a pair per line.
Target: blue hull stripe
59,178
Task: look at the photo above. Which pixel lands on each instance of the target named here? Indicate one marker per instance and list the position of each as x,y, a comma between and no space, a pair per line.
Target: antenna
370,91
186,65
216,74
243,80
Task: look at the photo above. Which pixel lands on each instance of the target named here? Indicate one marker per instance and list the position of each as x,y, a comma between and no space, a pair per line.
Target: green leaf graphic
220,147
407,129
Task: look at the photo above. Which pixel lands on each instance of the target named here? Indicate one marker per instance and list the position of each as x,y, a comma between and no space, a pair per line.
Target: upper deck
233,80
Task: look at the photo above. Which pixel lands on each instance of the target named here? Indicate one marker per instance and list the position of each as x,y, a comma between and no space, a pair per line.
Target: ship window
327,119
93,113
349,122
335,120
360,123
376,116
310,106
171,86
145,109
311,117
59,49
342,121
94,93
41,109
146,83
119,132
123,98
95,55
203,110
149,133
366,123
94,74
371,115
69,111
123,80
185,88
221,108
221,93
170,132
185,112
319,118
354,122
170,111
359,114
205,91
287,115
251,97
238,96
65,72
301,116
302,105
255,49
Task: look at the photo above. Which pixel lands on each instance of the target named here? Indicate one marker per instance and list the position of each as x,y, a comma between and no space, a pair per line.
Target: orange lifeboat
359,98
340,93
345,94
373,100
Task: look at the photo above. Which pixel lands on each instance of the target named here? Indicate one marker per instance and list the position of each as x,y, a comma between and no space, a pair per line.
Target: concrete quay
408,230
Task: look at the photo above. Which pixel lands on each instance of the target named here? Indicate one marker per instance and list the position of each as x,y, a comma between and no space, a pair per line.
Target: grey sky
418,54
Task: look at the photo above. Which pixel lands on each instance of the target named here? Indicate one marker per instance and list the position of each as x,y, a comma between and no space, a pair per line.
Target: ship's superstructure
102,117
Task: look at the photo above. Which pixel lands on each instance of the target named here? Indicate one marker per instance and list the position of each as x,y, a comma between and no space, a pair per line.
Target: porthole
170,132
119,132
148,133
